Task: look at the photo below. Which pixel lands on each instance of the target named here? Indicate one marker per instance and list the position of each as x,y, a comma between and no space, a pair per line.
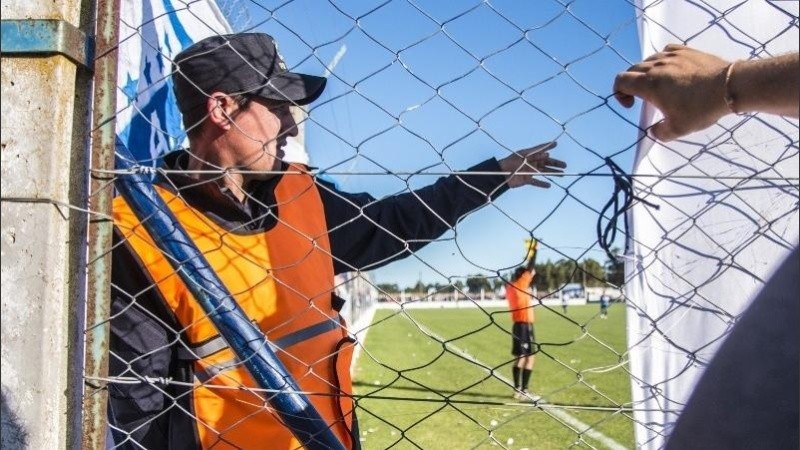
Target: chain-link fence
424,106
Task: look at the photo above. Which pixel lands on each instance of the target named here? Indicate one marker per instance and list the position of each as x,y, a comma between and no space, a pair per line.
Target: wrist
729,95
759,85
717,101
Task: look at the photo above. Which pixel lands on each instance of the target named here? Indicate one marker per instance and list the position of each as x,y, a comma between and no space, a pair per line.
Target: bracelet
729,100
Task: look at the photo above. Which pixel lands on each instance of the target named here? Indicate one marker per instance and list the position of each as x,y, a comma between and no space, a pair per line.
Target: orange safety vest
283,280
519,299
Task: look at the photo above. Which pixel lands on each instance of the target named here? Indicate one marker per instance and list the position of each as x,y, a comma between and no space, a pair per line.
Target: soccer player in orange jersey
520,304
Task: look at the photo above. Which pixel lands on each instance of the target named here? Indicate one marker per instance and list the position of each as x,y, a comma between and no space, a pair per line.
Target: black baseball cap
243,63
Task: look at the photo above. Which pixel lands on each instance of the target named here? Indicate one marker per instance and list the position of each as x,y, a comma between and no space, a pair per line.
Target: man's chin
294,152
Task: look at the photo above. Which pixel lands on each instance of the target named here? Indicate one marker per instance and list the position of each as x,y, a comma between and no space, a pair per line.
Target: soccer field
438,379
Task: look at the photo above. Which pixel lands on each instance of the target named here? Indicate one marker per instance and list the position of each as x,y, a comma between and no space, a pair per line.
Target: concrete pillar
44,138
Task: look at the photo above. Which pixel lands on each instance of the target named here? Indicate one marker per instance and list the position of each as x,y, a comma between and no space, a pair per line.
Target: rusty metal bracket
46,37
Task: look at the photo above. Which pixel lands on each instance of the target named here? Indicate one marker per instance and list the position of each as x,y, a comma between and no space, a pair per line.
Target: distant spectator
605,299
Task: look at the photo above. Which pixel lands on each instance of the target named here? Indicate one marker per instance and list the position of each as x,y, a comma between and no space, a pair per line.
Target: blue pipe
247,341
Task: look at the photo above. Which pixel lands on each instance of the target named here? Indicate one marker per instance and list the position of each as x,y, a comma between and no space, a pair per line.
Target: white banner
699,260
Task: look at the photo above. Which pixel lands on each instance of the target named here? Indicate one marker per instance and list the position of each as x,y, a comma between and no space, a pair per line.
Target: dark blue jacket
365,233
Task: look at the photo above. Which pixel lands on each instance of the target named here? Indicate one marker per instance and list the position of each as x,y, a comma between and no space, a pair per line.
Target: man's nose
288,124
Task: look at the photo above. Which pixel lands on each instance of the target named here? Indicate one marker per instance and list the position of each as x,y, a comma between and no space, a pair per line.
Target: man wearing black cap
276,236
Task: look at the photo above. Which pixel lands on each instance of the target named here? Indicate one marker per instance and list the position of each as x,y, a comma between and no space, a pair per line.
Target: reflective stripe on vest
283,280
218,344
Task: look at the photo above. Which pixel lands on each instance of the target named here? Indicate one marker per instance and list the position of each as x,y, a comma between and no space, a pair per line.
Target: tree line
550,276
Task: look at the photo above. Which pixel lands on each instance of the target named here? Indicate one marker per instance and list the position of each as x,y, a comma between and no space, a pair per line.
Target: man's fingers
550,166
522,180
541,148
674,47
625,99
538,183
544,170
627,85
534,160
656,56
555,163
542,163
642,67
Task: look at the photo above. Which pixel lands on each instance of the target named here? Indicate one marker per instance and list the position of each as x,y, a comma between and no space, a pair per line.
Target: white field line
564,416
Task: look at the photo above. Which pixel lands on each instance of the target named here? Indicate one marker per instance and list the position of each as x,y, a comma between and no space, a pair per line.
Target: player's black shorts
522,339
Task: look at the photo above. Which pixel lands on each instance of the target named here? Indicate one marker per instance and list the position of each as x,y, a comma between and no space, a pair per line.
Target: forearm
367,233
769,85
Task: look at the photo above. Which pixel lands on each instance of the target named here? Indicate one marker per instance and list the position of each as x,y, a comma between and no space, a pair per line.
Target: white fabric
697,262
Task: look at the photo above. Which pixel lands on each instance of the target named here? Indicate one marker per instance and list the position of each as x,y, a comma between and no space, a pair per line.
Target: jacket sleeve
139,346
366,233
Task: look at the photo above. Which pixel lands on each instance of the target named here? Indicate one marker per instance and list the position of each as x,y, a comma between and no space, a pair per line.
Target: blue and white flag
151,33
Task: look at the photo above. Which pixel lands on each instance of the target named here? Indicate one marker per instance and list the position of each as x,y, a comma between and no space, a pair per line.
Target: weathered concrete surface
40,241
68,10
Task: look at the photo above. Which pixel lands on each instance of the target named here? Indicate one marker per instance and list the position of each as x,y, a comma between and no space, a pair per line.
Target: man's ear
221,107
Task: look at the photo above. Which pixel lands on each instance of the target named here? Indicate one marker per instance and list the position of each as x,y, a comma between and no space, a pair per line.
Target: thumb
665,131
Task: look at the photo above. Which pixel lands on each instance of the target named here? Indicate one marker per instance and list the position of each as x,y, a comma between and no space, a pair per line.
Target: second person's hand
686,85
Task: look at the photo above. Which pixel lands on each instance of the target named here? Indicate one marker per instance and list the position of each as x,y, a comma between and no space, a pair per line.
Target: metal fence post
100,231
45,90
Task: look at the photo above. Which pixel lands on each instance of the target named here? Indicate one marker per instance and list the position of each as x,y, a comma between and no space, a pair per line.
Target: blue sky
432,85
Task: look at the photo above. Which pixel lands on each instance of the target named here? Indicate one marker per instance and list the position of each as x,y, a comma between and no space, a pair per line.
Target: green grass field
417,392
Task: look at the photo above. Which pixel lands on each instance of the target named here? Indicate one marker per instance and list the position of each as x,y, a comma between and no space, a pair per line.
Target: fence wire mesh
420,91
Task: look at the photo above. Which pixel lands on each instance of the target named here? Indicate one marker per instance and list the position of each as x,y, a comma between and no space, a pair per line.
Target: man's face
259,134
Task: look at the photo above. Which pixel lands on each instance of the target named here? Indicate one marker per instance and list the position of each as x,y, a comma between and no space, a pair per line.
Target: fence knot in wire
158,380
623,184
143,170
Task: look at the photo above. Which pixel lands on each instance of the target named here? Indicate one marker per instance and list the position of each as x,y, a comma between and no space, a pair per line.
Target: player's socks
526,377
516,372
